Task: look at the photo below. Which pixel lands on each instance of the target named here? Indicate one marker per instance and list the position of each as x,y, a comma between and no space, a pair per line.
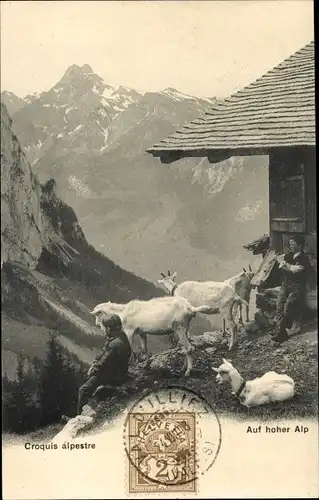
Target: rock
88,411
173,360
74,425
21,218
211,350
251,327
207,339
167,359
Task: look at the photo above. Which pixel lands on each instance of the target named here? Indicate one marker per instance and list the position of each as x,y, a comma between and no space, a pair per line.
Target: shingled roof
276,110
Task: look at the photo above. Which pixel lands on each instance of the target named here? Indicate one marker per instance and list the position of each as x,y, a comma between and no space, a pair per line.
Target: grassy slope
253,357
298,358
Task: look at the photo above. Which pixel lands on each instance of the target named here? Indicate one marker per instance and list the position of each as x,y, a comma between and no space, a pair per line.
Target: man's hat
299,239
112,321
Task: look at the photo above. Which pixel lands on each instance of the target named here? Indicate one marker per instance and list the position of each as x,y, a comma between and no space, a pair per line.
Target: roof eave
212,157
169,156
217,155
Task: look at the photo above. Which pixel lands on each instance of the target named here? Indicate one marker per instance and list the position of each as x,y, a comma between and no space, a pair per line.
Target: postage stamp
169,442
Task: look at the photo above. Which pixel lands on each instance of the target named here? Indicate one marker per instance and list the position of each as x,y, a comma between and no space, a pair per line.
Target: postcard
158,250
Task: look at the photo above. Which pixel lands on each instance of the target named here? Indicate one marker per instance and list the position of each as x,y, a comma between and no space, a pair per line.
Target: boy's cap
112,321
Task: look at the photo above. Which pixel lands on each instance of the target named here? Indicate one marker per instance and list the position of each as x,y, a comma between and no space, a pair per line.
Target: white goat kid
158,316
220,296
269,388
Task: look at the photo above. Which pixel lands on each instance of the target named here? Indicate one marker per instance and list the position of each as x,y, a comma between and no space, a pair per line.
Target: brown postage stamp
168,441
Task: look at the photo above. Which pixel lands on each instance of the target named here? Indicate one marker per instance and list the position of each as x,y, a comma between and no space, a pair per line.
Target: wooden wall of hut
292,204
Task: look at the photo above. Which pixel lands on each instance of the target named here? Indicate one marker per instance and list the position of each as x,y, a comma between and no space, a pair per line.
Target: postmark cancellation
167,443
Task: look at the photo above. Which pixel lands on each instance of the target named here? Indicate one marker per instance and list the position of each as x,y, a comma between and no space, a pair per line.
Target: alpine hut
273,116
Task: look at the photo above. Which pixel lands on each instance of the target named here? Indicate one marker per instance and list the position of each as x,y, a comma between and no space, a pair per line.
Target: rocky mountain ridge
51,277
92,137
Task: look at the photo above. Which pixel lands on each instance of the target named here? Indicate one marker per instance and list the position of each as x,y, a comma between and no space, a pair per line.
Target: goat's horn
162,274
244,270
250,269
168,273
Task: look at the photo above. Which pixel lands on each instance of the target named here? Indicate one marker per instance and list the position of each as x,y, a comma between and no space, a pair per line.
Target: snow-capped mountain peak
91,136
78,108
31,97
83,113
176,95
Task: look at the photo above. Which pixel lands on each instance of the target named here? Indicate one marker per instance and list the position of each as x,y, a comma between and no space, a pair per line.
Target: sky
203,48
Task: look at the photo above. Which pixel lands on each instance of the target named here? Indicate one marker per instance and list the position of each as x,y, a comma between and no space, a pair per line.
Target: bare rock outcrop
21,218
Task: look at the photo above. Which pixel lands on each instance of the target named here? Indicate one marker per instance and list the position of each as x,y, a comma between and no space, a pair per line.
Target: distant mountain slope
190,215
12,102
50,276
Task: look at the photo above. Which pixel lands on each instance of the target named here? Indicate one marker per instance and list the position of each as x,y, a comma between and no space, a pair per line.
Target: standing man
111,366
294,266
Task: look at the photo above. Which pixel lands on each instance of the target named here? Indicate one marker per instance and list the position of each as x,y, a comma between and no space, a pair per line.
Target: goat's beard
219,381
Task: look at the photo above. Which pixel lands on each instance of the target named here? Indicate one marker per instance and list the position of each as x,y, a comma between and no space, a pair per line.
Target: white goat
242,286
220,296
269,388
158,316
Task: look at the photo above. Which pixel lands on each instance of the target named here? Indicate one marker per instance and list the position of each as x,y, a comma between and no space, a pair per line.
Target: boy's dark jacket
297,279
112,363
